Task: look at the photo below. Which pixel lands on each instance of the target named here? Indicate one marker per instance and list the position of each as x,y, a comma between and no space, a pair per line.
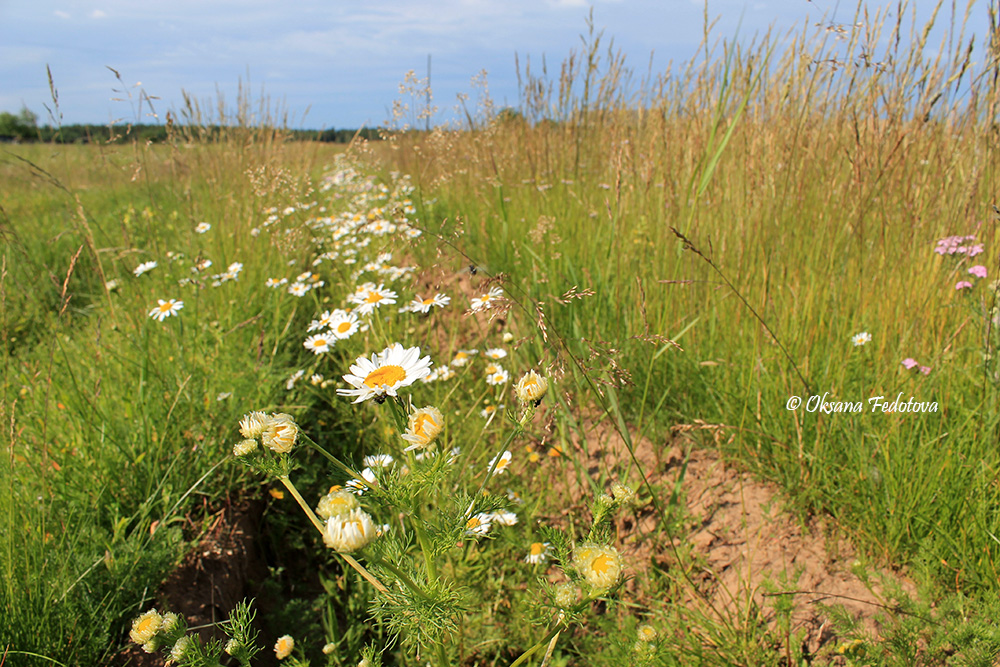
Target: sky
339,63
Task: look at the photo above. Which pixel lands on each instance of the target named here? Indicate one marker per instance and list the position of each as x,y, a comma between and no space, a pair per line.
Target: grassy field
698,249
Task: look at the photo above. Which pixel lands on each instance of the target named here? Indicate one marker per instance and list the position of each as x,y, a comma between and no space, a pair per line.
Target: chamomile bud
145,627
531,388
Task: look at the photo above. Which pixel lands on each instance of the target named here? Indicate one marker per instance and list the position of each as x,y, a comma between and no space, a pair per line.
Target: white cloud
98,14
61,14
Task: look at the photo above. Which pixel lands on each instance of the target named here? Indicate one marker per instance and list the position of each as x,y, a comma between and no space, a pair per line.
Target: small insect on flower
165,309
349,532
144,267
862,338
384,373
202,227
423,426
538,552
283,647
318,343
502,462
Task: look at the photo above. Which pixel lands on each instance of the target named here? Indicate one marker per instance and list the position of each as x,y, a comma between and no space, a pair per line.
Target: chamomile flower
378,460
252,425
600,566
538,552
202,227
343,324
489,411
112,285
280,433
293,378
419,305
275,283
531,388
384,373
165,309
318,343
370,299
502,462
862,338
500,377
145,627
423,426
283,647
358,487
485,301
244,447
322,323
504,518
144,267
182,645
298,289
336,503
462,357
479,524
495,353
349,532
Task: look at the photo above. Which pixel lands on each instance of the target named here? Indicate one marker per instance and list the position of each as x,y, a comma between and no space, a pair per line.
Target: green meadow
750,250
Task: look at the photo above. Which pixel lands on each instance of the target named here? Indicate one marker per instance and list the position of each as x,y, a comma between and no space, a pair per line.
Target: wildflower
318,343
349,532
462,357
909,363
622,493
202,227
499,377
978,271
145,627
386,372
232,646
479,524
495,353
419,305
531,388
926,370
293,378
280,433
374,297
566,594
165,309
252,425
599,566
501,461
963,284
343,324
112,285
489,410
357,486
504,518
244,447
274,283
380,460
538,552
329,648
298,289
507,336
181,646
485,301
322,323
201,266
143,268
646,633
423,426
283,647
336,503
862,338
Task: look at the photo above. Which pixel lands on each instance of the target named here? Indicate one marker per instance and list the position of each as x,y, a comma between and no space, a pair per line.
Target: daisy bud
283,647
336,503
531,388
600,566
252,425
424,425
244,447
566,595
145,627
280,433
349,532
181,647
622,493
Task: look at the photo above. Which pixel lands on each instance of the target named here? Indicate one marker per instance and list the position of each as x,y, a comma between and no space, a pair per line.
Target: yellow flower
283,647
424,425
531,388
600,566
145,627
336,503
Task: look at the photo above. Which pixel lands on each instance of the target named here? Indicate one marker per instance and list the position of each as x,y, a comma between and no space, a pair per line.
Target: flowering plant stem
319,526
333,459
553,633
496,459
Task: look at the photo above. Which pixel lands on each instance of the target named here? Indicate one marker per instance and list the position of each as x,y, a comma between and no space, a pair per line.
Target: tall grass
814,172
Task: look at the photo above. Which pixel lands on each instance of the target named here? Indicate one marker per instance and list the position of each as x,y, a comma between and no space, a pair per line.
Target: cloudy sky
339,63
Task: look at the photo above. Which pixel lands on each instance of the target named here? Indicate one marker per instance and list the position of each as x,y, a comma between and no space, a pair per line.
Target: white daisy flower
274,283
862,338
495,353
485,301
386,372
500,377
502,462
380,460
202,227
504,518
357,486
462,357
538,552
165,309
349,532
370,299
419,305
424,425
144,267
298,289
479,524
290,384
343,324
318,343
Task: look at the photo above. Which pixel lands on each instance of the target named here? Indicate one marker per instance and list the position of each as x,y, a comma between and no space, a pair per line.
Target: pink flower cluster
958,245
910,363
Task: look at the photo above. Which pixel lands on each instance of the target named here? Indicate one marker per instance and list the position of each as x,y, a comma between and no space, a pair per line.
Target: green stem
493,465
409,583
354,474
541,644
322,531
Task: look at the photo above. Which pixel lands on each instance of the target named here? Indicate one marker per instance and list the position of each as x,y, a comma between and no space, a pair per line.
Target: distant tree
19,127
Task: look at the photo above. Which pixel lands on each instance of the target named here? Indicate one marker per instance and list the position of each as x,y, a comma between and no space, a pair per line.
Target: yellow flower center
319,342
145,624
338,501
472,523
343,327
537,548
359,525
165,307
428,302
389,375
373,297
418,424
601,564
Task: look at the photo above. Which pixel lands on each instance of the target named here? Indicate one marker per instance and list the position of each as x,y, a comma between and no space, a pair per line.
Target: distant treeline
23,128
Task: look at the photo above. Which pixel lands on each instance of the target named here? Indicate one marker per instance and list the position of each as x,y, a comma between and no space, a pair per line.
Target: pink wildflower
978,271
963,284
909,363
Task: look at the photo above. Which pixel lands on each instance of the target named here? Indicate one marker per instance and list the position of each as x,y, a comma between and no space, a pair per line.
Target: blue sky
339,63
